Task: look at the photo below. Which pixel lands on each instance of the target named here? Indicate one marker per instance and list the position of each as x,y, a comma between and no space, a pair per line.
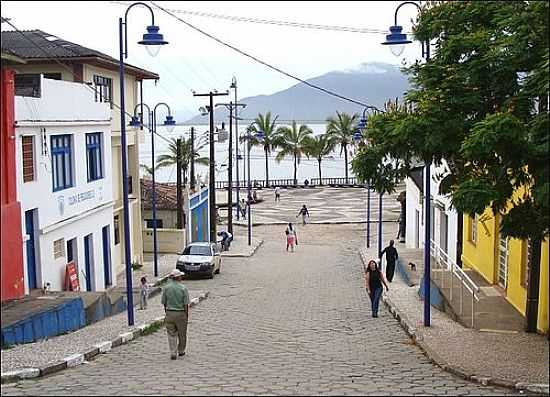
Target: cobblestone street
276,323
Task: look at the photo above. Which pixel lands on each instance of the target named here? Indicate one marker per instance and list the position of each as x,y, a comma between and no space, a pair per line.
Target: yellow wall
483,258
475,256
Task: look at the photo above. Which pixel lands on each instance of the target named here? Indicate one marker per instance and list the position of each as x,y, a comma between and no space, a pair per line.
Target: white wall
64,108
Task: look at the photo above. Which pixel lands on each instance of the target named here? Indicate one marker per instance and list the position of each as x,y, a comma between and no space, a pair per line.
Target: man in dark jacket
391,258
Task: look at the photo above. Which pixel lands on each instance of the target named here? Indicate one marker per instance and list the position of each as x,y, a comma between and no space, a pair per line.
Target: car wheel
211,275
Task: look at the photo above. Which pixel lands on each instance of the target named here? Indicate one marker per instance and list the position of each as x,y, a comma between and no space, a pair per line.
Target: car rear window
197,250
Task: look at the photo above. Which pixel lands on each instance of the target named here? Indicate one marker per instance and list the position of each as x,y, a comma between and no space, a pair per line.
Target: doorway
106,240
31,248
89,260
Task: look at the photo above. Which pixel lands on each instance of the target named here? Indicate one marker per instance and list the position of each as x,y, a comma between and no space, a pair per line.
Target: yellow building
504,262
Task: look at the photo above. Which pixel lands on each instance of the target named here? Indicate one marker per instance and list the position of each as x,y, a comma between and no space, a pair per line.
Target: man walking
303,212
175,299
277,194
391,258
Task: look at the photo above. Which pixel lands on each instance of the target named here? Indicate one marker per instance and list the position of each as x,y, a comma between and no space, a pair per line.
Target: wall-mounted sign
80,197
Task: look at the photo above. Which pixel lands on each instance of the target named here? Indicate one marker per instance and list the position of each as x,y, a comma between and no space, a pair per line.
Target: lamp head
396,40
204,111
152,40
259,135
233,82
170,123
357,136
135,122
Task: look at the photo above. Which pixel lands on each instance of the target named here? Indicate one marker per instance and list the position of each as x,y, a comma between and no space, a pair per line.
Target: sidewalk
512,360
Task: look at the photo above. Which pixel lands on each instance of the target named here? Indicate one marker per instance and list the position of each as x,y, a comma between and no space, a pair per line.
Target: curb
99,348
248,255
436,359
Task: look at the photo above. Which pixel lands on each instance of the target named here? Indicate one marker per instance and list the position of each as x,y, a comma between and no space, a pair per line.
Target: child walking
291,237
143,292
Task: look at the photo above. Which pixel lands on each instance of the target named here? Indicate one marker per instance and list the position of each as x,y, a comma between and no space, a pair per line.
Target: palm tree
148,170
166,160
319,147
292,141
270,138
342,128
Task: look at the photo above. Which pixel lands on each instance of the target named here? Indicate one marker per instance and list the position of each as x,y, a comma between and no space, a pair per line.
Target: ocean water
332,166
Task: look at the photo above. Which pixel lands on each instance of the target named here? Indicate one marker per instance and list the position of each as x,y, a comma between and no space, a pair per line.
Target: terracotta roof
36,46
166,195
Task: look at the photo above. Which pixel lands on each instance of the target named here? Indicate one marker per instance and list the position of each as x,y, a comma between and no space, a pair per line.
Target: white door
502,261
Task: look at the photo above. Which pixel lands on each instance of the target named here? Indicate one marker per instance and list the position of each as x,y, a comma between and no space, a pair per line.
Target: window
52,76
526,263
28,158
150,223
93,156
130,184
473,229
62,162
116,223
59,248
27,85
103,89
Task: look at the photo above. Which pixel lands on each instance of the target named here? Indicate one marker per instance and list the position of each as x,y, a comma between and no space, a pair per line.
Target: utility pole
192,165
230,106
234,86
179,195
212,174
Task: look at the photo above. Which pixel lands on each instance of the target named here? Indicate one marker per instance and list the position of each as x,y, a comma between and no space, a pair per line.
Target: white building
444,218
64,176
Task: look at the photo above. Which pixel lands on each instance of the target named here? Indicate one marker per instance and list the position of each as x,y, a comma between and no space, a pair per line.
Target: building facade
64,178
505,262
63,60
11,255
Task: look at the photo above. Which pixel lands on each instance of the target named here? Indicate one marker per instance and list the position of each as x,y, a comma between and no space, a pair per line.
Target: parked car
200,258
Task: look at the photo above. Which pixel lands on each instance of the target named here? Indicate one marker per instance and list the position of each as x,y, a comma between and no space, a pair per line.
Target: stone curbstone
91,353
79,358
74,360
537,388
25,373
104,347
53,367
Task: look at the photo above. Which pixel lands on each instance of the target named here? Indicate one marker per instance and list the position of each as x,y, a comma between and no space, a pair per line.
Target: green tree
169,159
270,140
292,141
480,104
341,128
318,147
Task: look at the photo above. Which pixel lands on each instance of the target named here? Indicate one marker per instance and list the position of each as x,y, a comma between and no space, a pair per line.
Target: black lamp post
397,40
152,40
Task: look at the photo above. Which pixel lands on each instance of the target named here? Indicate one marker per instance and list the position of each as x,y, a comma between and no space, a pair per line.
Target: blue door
88,252
106,256
31,253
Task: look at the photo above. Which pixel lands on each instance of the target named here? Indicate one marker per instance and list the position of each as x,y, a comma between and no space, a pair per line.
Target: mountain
370,83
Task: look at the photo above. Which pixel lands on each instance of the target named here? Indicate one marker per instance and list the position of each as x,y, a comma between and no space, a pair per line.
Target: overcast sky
194,61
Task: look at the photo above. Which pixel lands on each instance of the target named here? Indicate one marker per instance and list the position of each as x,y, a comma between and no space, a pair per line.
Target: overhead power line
314,86
293,24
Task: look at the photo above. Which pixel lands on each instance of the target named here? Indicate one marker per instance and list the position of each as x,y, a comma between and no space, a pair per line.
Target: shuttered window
59,248
28,158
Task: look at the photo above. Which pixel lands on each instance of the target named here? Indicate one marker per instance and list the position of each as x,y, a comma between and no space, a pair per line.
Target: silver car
200,258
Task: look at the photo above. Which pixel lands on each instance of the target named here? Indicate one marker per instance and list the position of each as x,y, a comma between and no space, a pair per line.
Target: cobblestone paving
277,323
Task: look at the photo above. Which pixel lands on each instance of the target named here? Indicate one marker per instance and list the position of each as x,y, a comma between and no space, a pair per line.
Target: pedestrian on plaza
291,237
391,259
277,194
175,299
303,212
242,207
143,293
374,278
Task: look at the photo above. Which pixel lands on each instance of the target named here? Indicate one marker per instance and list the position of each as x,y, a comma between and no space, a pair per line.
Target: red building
11,259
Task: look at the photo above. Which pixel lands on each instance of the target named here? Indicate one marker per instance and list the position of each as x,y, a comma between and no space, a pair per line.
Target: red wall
11,256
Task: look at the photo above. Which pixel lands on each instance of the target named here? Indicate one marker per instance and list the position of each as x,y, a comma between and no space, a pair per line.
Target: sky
192,61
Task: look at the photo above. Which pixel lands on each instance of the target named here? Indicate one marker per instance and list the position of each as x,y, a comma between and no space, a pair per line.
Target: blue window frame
62,162
93,156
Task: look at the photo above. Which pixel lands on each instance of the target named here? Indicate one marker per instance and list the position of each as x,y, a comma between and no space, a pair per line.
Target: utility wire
293,24
326,91
26,37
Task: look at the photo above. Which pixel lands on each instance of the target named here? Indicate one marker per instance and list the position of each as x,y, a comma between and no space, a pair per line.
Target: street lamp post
169,123
152,40
397,40
234,86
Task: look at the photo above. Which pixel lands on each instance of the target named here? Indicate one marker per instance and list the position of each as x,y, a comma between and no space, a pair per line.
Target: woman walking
291,237
374,278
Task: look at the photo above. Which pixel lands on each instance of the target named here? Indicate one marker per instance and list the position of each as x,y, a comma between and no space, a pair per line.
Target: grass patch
151,329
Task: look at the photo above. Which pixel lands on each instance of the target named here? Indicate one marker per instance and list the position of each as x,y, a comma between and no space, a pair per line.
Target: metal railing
260,183
445,263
